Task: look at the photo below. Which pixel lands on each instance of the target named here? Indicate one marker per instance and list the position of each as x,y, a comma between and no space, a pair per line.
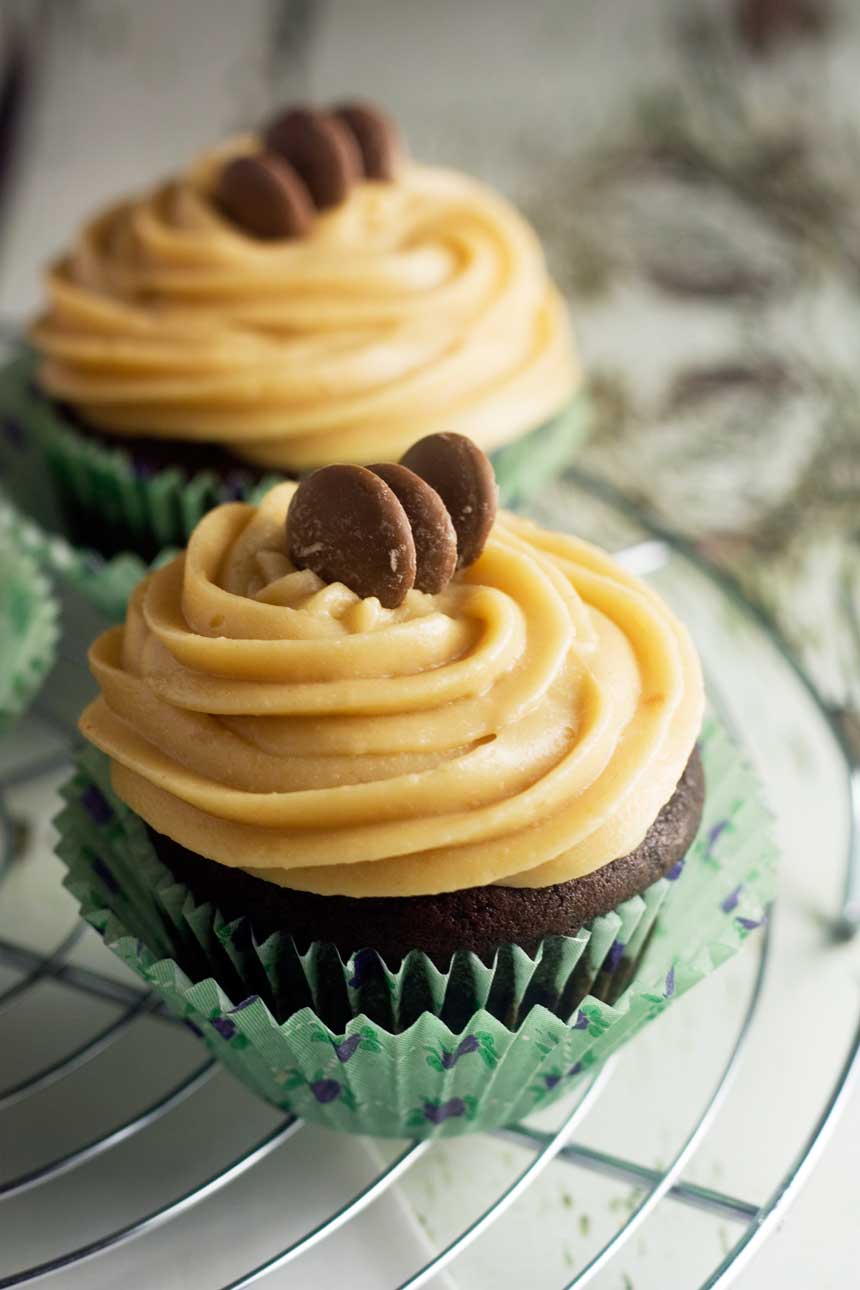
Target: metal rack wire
753,1220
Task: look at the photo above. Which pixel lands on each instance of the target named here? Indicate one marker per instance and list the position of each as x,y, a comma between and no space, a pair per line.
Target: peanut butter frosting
416,306
524,726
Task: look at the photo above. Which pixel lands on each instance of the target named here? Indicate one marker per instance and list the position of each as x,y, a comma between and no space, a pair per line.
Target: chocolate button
463,477
265,197
320,148
376,136
432,530
346,525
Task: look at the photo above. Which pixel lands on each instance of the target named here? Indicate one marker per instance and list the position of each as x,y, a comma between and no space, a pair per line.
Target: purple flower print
553,1080
750,924
96,805
445,1059
325,1090
714,835
365,1039
675,872
730,902
669,988
581,1022
432,1111
225,1027
468,1045
439,1112
246,1003
613,958
345,1049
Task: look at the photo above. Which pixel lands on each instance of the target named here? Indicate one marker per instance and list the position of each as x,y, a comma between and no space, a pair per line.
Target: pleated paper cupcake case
164,915
162,508
29,626
422,1052
105,583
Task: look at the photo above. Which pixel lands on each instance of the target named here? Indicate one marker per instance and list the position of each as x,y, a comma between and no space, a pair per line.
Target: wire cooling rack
29,968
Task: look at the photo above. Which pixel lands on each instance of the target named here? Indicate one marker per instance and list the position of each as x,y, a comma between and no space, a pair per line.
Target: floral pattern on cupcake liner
427,1079
29,626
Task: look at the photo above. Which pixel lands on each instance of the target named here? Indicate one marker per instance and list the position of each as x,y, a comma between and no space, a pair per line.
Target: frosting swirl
416,306
524,726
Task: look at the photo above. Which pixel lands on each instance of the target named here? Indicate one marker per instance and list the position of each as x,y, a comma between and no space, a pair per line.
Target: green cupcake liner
421,1052
29,626
527,465
107,584
44,459
47,465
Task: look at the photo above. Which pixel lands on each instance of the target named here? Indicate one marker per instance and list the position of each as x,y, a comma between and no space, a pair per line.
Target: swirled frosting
524,726
416,306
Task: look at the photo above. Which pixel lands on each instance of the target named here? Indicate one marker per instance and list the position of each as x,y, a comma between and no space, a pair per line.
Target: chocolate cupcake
517,745
388,792
299,296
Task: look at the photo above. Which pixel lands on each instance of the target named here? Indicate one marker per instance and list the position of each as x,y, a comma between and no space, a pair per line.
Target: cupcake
390,795
297,297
